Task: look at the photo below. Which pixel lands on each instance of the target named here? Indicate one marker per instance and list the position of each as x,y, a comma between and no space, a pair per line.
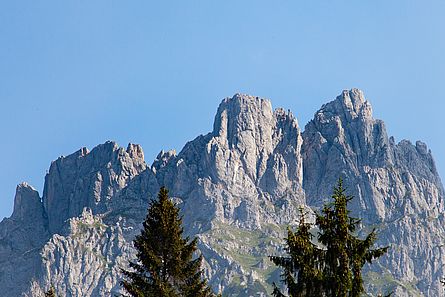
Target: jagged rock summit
239,187
396,188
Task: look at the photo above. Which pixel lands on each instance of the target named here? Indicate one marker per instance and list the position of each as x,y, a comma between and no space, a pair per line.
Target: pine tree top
335,269
166,265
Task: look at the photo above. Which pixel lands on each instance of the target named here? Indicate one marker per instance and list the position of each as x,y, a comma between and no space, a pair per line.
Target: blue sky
78,73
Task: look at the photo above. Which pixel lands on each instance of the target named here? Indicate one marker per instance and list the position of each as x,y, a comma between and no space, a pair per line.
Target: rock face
244,175
241,171
21,239
88,179
396,187
387,179
238,187
88,259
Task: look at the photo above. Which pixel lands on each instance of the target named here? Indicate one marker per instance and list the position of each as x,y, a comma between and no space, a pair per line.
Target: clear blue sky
78,73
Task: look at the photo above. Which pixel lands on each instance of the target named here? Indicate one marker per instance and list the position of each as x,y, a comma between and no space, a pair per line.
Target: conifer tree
302,275
335,268
51,292
165,266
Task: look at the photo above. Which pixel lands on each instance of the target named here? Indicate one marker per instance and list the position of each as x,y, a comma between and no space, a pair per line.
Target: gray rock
21,238
396,187
87,261
88,179
238,187
241,171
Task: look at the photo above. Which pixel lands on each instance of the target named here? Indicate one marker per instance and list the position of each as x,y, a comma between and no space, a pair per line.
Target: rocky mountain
396,188
238,187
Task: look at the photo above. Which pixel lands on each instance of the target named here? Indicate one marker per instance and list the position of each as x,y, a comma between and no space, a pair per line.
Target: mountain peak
349,105
354,104
25,186
241,113
135,151
354,97
238,186
27,202
249,99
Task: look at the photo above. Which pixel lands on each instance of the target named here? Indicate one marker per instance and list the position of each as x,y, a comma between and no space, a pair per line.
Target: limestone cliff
22,237
396,188
238,187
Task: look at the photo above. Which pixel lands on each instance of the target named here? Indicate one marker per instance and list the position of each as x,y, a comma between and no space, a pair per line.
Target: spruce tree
335,267
165,266
301,275
51,292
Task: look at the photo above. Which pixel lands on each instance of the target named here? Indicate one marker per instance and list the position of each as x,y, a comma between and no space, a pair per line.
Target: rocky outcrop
88,179
83,179
87,261
21,238
238,188
396,186
245,172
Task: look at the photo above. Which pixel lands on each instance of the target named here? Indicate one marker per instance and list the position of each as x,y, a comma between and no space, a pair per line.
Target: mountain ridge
238,186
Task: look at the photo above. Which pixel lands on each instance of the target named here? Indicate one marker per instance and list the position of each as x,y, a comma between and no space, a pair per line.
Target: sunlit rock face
396,188
386,179
241,171
88,179
238,188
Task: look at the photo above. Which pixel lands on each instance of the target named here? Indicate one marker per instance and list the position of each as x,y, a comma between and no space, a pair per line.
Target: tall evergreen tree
165,266
302,274
51,292
335,268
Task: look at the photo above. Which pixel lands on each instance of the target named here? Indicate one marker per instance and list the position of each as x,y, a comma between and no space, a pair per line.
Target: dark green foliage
51,292
303,257
334,269
165,266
